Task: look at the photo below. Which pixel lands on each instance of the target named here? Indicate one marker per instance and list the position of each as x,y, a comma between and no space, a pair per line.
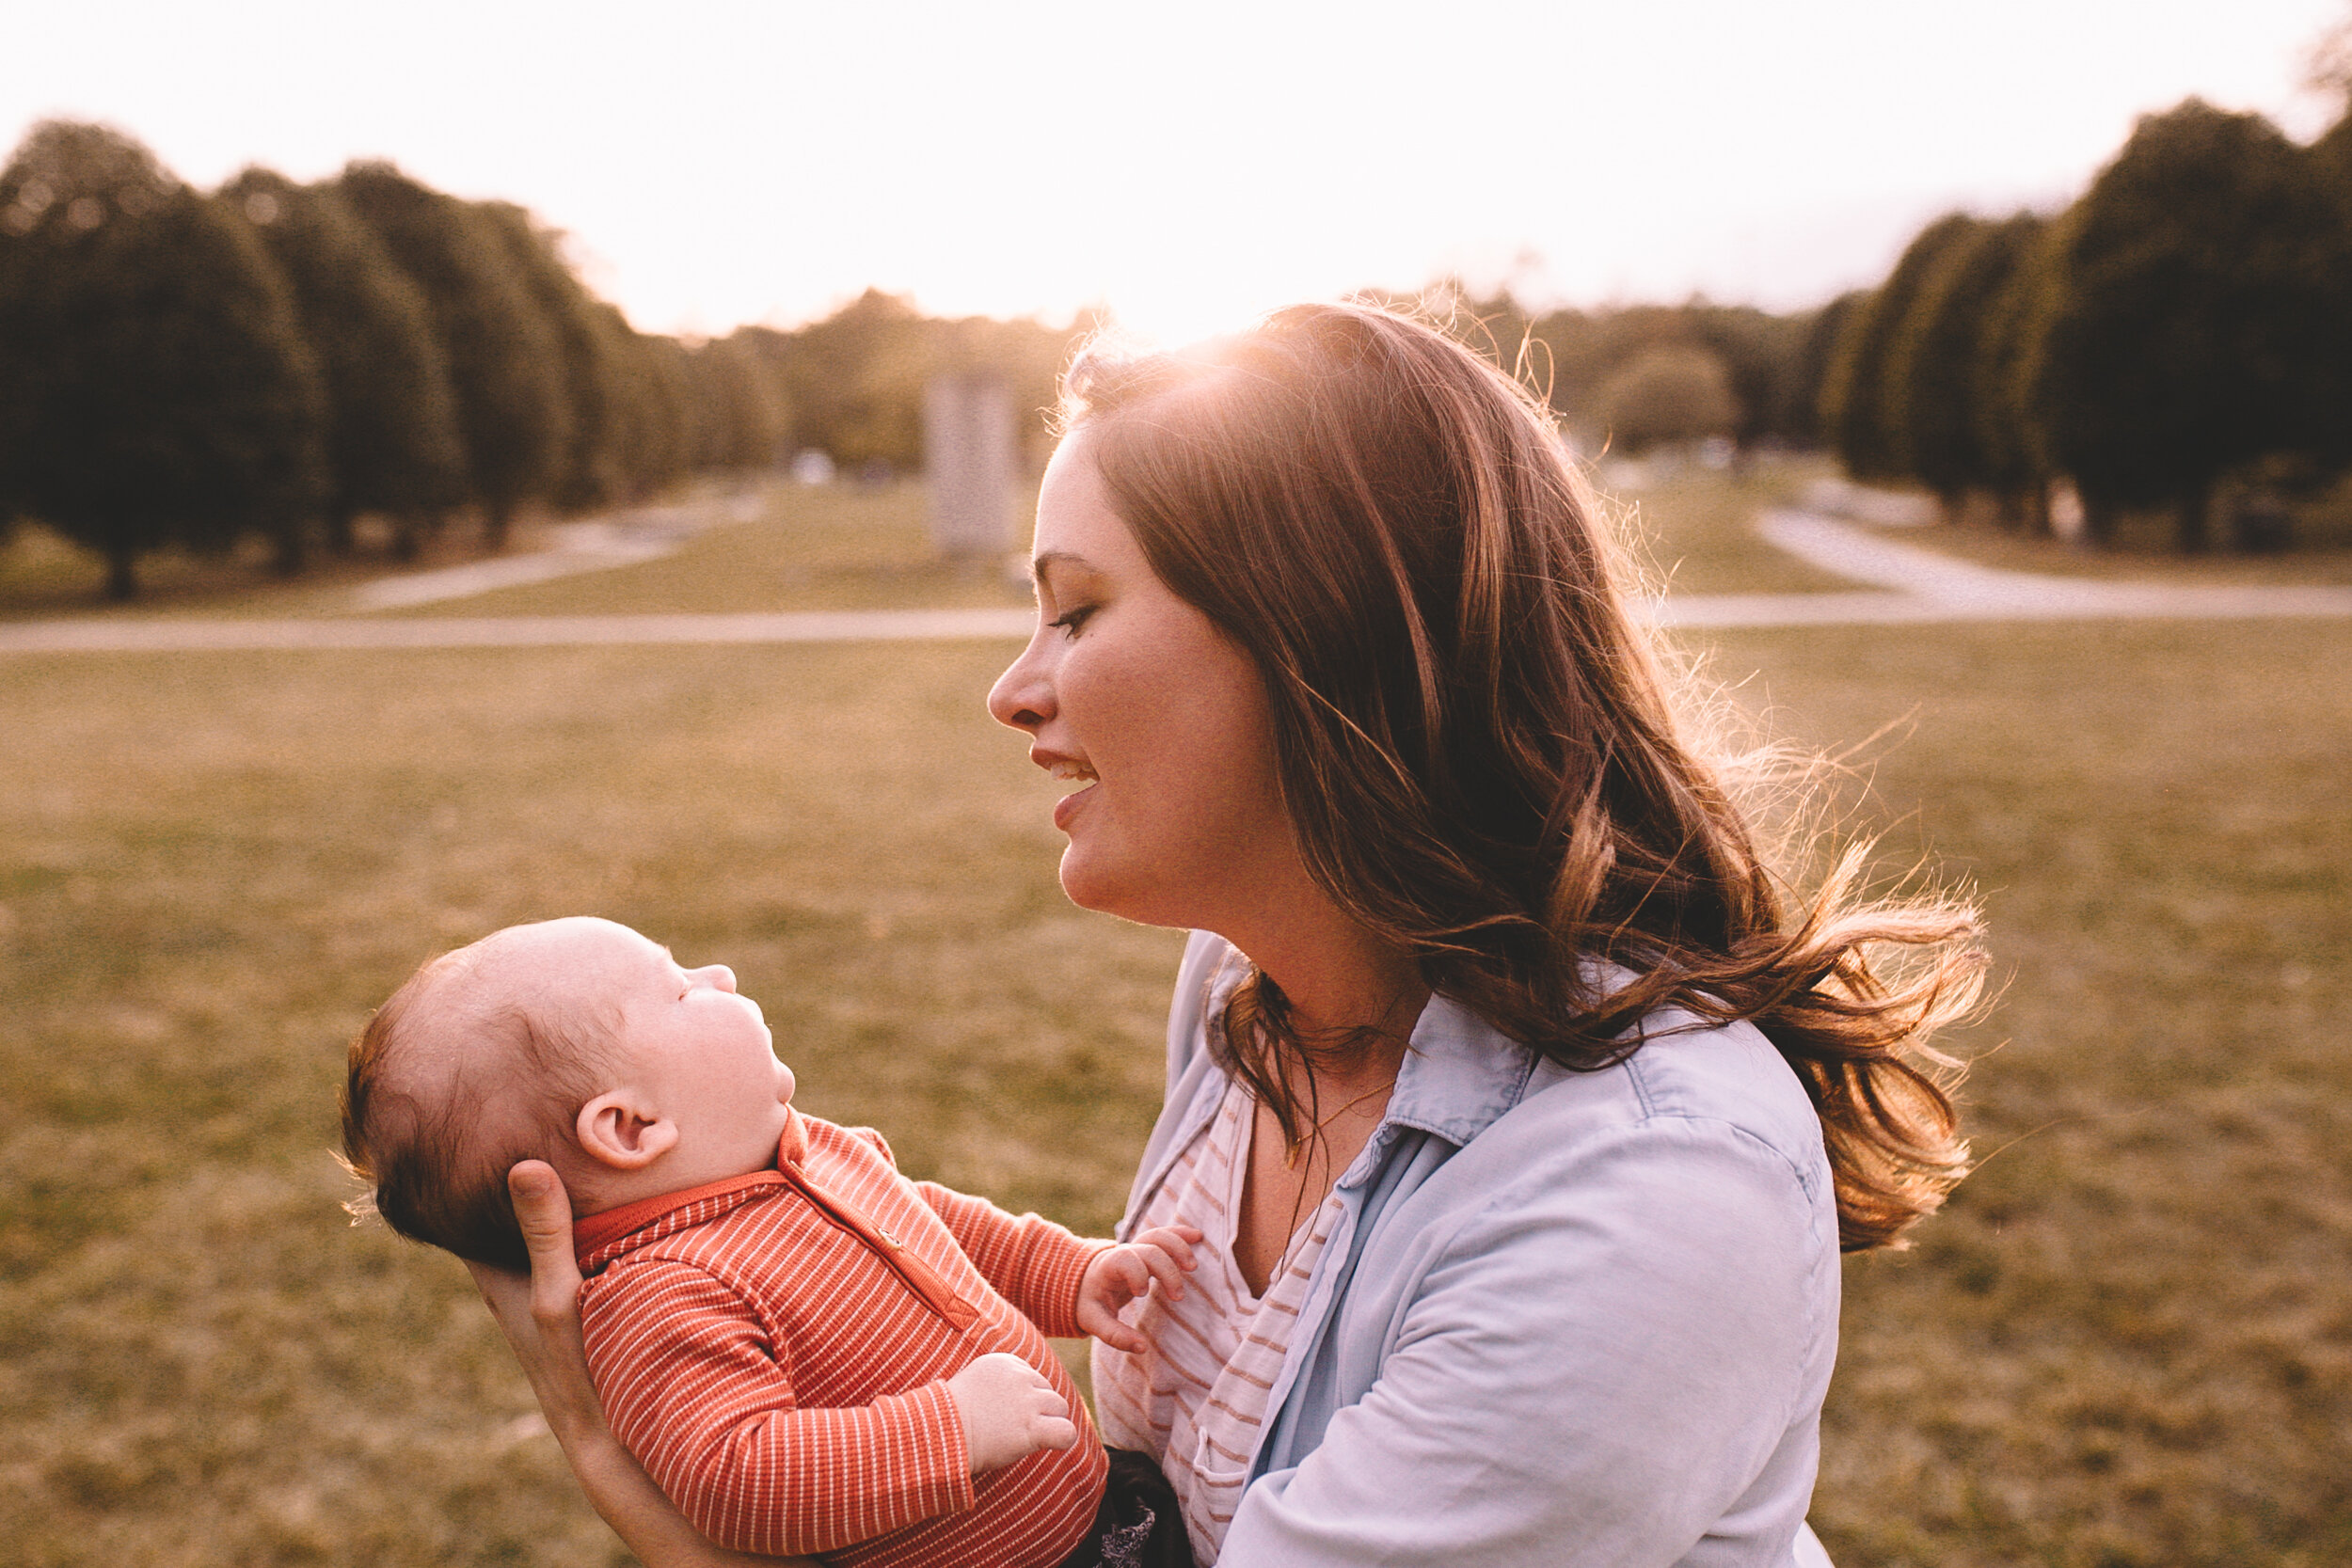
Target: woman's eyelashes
1072,619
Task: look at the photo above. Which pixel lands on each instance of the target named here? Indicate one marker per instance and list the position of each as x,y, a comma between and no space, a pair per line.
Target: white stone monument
968,459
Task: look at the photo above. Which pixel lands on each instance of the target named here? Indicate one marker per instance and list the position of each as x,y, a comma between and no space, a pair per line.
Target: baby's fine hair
433,1142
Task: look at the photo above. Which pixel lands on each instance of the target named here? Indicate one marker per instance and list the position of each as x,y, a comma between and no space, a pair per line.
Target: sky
717,162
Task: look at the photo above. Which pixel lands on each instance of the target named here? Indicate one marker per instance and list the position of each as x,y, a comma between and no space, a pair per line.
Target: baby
809,1353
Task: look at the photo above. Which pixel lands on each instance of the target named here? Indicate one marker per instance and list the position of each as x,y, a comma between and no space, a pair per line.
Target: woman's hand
540,1316
1118,1274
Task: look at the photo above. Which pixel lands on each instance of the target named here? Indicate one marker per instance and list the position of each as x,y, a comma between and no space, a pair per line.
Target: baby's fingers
1050,1426
1177,1241
1132,1265
1153,1263
1099,1322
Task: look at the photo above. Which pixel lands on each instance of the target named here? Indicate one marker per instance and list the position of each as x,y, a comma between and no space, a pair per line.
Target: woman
1525,1114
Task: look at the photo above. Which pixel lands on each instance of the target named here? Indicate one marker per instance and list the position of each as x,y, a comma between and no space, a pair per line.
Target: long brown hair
1475,742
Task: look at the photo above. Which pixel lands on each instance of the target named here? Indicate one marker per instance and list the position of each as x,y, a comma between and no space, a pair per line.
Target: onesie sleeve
697,1388
1031,1261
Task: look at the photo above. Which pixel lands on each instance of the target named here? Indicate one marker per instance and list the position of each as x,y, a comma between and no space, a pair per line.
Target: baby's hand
1009,1411
1118,1274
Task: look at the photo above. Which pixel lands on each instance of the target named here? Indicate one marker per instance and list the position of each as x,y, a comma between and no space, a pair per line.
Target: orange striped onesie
774,1349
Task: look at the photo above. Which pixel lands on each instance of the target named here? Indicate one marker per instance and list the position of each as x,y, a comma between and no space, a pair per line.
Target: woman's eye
1070,619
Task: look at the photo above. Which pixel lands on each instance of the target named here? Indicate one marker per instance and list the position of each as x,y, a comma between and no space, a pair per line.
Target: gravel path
1910,586
1927,586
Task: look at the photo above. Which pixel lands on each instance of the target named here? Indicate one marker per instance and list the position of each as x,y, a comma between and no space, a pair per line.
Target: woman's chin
1083,883
1092,885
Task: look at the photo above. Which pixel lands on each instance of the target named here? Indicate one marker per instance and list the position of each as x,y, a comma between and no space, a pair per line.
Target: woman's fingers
544,1211
505,1292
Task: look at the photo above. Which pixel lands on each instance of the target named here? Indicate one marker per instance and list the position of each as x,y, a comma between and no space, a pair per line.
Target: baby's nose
718,975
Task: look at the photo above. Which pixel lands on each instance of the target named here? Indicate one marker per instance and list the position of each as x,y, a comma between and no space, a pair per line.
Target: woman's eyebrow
1036,566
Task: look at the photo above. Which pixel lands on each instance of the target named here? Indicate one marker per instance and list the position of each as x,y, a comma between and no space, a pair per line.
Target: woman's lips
1068,807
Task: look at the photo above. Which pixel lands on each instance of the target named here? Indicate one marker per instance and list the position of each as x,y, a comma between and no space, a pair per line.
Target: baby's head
575,1041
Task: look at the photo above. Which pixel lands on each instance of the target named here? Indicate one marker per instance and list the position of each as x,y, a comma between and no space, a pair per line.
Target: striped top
774,1349
1196,1397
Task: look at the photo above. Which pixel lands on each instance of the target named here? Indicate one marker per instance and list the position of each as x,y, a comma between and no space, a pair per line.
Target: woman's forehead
1075,514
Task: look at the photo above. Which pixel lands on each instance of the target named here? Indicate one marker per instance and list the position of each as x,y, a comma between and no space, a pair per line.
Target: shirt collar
1458,1075
598,1239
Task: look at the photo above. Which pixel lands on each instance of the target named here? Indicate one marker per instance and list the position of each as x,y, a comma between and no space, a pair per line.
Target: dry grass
2143,549
43,575
837,547
2126,1344
2128,1341
1694,531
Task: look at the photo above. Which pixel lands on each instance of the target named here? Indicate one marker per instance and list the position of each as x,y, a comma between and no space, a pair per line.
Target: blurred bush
1676,392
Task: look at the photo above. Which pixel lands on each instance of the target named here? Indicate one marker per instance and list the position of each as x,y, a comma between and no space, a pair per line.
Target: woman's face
1158,718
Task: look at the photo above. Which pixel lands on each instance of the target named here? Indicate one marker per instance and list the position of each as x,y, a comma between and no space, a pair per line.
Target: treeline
1627,378
281,360
2177,342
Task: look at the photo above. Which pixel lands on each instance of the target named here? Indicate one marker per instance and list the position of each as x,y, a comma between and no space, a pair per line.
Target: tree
2202,317
2008,435
157,389
391,437
1586,348
854,380
1823,331
592,359
1761,354
1935,376
506,361
739,418
1670,393
1857,405
656,407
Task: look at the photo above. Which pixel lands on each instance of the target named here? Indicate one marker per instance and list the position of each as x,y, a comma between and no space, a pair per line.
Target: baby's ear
614,1130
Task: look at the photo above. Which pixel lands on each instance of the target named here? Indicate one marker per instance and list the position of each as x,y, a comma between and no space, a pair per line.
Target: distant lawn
2142,549
1695,529
2126,1346
43,575
836,546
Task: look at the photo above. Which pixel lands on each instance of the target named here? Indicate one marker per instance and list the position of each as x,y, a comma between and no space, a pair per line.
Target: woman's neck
1339,979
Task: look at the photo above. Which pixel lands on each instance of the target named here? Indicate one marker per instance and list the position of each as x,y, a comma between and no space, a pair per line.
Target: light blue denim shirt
1563,1319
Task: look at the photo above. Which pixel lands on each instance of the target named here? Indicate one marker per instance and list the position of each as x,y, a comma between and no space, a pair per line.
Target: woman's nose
1021,698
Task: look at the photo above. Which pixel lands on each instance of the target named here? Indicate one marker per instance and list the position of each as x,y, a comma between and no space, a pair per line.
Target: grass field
2143,547
2128,1344
841,547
